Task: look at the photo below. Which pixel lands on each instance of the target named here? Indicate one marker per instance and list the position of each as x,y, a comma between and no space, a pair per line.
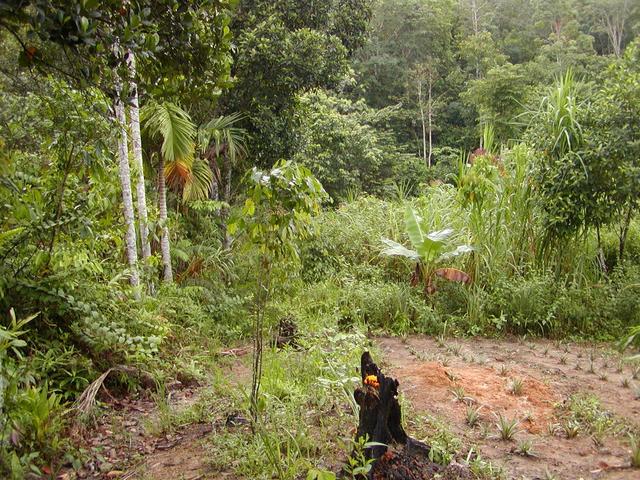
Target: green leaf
249,207
440,235
462,249
412,223
395,249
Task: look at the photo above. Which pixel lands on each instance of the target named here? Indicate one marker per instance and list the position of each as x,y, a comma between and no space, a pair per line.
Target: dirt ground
428,371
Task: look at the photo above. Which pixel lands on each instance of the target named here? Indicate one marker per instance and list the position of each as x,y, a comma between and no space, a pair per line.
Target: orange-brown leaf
453,275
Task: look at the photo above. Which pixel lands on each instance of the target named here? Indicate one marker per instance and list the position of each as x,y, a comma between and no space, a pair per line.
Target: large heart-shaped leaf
440,235
397,250
458,251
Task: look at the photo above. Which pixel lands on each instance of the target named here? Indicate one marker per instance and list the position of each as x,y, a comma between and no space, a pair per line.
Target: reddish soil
548,379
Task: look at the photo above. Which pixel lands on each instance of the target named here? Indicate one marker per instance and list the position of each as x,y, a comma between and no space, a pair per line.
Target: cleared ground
433,374
573,407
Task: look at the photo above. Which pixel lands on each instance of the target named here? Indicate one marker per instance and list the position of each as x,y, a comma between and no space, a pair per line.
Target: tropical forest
319,239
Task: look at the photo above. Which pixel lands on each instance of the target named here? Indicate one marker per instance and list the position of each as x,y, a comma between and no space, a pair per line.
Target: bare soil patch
429,371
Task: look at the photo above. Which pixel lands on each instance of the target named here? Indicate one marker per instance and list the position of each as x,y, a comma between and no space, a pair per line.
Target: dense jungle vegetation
179,177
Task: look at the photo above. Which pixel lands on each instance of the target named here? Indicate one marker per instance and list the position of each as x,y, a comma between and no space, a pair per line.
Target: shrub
389,306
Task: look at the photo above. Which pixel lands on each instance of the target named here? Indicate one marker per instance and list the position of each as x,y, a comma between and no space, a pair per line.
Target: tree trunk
226,239
430,117
165,248
125,182
624,230
136,142
422,122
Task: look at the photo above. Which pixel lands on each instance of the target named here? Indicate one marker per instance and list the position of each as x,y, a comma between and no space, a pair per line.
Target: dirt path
429,370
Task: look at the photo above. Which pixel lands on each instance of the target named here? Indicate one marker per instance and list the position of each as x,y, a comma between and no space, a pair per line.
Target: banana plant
429,252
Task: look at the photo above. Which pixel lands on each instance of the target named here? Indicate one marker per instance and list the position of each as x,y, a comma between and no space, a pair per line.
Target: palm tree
182,170
168,123
220,138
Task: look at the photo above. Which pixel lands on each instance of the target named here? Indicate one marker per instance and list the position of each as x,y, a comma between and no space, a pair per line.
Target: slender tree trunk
422,122
624,230
601,260
136,142
615,29
165,248
430,118
264,291
475,17
125,183
227,199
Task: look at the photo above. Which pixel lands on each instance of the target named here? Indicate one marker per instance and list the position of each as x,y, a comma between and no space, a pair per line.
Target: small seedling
620,367
552,429
578,366
516,387
563,360
579,354
548,475
459,394
504,370
605,363
473,416
571,429
485,429
525,448
603,377
592,368
445,361
626,383
528,416
507,429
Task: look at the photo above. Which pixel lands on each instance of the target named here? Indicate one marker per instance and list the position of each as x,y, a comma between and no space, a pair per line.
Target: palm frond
198,183
168,122
222,133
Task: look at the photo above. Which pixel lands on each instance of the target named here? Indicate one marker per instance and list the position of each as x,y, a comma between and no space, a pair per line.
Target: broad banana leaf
397,250
412,224
458,251
440,235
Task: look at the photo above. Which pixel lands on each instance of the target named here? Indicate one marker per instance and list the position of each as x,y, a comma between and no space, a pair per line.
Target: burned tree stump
287,332
400,457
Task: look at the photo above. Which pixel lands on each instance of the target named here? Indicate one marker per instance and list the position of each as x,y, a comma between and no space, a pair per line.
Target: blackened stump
400,457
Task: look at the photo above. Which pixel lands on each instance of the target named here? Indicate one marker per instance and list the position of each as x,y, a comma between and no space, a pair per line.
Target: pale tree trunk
430,119
614,25
227,199
422,122
136,142
125,182
475,17
165,248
